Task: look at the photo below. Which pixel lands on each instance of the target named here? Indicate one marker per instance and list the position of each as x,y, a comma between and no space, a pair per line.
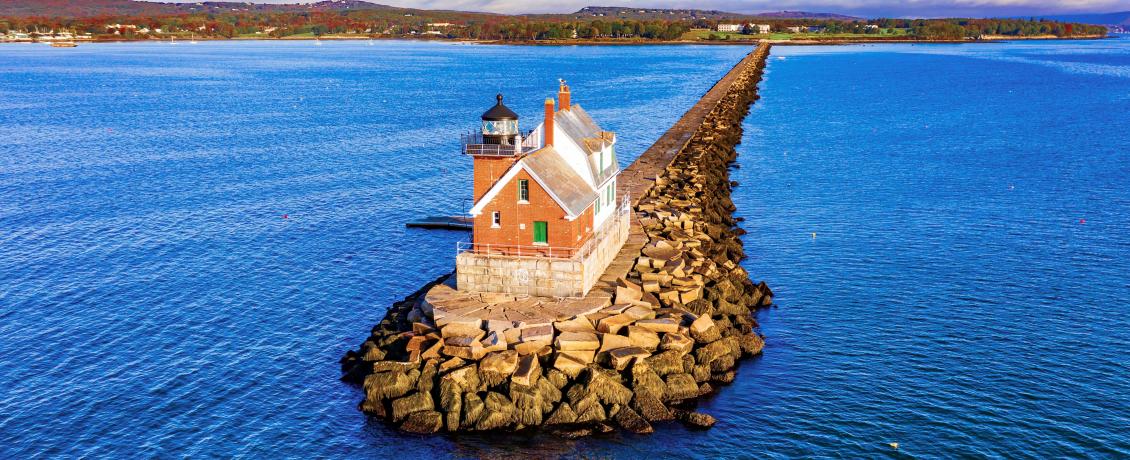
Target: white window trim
496,220
519,185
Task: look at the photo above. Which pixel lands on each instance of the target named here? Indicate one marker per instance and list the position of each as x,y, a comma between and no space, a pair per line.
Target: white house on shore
738,28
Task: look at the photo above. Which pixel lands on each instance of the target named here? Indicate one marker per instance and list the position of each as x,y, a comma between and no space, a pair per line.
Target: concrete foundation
541,276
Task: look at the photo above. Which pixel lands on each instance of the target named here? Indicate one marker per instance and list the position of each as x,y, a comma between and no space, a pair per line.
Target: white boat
63,40
193,40
317,42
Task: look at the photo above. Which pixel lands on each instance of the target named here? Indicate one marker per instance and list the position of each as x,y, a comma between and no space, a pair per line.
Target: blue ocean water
966,290
153,299
964,294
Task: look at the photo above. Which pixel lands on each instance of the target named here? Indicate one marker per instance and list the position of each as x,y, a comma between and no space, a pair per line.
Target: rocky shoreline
674,331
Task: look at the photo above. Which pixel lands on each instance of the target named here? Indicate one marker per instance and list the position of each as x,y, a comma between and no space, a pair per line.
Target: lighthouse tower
547,219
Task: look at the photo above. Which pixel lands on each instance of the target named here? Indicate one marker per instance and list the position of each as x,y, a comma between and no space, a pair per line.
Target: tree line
479,26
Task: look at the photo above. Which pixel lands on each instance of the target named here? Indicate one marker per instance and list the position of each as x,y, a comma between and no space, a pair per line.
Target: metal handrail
473,144
514,250
532,139
552,252
498,150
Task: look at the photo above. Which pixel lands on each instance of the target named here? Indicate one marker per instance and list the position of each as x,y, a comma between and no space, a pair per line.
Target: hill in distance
637,13
1121,18
91,8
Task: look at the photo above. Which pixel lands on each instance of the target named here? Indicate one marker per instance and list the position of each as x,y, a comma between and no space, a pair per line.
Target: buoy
814,235
286,216
894,445
1082,221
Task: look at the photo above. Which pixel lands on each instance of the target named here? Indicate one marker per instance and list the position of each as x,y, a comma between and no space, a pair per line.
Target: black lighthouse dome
499,111
500,124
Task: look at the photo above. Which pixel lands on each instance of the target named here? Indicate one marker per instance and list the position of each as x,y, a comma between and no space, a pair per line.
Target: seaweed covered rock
681,386
563,415
606,385
695,419
423,422
631,421
414,402
387,385
651,408
498,412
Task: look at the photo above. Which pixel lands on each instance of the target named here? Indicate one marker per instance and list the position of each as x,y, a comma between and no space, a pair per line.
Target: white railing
493,150
513,250
473,144
611,225
532,141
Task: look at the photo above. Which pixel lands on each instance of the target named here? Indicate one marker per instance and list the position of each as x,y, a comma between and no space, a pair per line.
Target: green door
541,232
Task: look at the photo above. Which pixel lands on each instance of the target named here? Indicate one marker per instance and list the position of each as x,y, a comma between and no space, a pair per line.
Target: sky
865,8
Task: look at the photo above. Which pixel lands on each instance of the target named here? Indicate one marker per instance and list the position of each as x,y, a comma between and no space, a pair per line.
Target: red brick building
547,192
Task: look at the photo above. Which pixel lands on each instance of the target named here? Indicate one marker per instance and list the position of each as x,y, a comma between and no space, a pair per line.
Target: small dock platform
442,223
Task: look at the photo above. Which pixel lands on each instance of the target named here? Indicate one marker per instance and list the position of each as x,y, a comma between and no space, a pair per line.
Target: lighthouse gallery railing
474,144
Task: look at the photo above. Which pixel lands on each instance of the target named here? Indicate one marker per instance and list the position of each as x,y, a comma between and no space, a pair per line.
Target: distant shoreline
625,42
802,42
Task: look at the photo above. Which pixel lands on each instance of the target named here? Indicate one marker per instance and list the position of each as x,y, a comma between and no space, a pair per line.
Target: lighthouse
547,218
500,124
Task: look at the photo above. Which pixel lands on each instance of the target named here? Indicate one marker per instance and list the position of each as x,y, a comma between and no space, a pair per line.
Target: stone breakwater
677,322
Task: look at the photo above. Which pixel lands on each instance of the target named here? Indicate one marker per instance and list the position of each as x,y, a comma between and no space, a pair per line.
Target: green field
255,35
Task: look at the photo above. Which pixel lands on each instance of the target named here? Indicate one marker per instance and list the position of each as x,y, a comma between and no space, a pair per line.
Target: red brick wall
541,207
487,171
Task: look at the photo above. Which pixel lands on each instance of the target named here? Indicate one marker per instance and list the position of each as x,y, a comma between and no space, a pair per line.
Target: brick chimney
548,127
563,95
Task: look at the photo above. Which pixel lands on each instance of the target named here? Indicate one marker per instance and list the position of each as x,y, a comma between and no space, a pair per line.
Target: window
541,232
496,219
523,190
598,205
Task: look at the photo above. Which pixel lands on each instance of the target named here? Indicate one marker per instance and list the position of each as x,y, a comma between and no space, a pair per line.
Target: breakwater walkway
666,324
638,179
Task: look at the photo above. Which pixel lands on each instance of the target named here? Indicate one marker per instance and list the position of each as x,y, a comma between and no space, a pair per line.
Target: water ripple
152,298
